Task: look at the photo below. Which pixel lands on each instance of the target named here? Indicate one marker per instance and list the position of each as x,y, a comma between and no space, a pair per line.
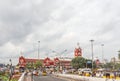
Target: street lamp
92,51
59,53
63,58
38,48
10,62
60,64
10,69
119,55
102,53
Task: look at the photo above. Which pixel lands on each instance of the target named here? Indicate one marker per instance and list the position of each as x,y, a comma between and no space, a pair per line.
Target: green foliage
13,80
4,77
38,64
118,66
2,72
33,65
29,66
78,62
109,65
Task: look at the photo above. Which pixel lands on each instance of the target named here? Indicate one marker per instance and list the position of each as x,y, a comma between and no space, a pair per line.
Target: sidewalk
82,78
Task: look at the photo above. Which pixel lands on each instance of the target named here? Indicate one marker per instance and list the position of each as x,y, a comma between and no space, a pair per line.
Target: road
48,78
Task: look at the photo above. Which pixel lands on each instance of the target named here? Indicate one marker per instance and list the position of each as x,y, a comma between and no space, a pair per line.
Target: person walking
107,76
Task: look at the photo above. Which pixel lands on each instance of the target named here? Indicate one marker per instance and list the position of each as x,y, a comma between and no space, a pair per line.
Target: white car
85,70
35,72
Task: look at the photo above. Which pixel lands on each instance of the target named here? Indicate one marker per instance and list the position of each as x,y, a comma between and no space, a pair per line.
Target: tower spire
78,51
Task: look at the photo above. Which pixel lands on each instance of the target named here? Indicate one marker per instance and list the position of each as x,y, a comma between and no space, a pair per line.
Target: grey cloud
20,20
109,17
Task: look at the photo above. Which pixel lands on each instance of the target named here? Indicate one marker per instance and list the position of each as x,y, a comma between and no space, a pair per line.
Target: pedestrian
107,76
114,76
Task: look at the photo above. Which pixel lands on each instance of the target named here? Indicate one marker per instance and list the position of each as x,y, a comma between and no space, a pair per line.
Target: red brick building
47,62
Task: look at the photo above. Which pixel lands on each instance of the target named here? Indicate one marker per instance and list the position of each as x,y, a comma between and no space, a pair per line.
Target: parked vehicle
44,73
118,76
35,72
108,75
84,71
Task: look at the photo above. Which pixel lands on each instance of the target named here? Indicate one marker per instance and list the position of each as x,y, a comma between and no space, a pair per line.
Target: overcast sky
58,25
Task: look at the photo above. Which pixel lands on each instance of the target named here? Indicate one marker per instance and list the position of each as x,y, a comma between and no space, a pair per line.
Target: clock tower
78,51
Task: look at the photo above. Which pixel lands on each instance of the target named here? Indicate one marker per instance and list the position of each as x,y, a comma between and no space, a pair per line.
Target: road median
72,77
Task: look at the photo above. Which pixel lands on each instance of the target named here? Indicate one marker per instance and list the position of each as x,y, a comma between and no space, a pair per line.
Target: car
84,71
44,73
35,72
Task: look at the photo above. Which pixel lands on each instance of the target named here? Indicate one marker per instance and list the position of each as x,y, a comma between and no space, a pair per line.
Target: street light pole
92,51
63,59
119,55
102,53
10,69
59,53
38,48
61,64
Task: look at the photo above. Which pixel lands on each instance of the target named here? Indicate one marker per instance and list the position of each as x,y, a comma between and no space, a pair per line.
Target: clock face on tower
78,52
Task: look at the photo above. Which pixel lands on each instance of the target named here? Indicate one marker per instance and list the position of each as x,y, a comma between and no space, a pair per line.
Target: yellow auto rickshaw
118,76
106,75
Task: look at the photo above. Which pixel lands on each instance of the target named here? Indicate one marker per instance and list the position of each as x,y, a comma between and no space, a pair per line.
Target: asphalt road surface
48,78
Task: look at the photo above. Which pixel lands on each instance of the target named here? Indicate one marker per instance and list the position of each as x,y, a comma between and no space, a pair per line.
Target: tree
111,66
108,65
78,62
29,66
38,64
118,66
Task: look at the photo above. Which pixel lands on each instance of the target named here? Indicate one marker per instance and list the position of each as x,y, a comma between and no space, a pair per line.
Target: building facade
47,62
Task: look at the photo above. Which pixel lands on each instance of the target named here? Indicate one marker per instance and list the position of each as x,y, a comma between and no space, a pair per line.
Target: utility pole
11,69
119,55
60,64
38,48
92,51
102,52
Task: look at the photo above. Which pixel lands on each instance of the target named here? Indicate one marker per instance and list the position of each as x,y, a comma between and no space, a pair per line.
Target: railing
22,77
